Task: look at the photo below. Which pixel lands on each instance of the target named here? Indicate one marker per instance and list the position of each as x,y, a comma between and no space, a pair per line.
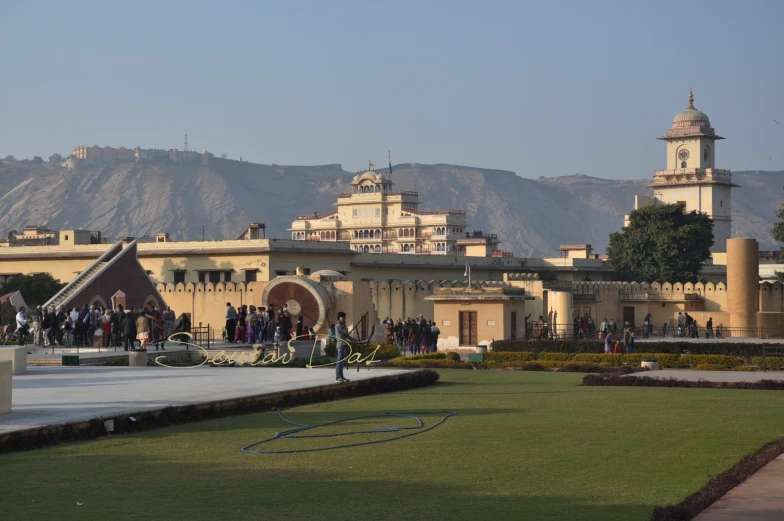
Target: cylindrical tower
742,282
561,306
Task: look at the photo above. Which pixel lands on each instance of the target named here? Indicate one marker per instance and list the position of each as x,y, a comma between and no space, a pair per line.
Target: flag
390,166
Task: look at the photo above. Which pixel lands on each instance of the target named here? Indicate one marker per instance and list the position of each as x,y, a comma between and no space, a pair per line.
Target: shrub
772,362
331,349
510,357
406,363
710,367
453,356
666,360
726,362
730,348
549,346
427,356
553,356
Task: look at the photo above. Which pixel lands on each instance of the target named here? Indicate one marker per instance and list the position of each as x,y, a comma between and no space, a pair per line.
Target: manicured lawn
524,446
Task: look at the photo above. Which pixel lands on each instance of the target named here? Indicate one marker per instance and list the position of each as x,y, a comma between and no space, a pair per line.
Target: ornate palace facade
375,219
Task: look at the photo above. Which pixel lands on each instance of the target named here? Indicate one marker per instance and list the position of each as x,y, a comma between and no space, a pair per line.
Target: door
513,325
628,316
468,330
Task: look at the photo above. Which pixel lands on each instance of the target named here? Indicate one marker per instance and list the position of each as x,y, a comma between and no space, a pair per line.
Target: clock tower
691,177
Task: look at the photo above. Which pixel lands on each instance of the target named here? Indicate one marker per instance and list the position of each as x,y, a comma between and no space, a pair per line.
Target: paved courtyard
52,395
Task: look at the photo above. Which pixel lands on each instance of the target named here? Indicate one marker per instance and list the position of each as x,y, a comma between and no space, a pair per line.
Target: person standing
168,322
46,323
709,328
231,322
608,343
129,330
342,333
435,331
630,343
36,323
21,326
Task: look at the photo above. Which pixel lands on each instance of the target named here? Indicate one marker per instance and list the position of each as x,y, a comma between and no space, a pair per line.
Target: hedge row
666,360
745,350
773,362
601,380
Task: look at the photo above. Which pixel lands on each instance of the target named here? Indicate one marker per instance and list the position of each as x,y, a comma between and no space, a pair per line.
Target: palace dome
371,176
691,117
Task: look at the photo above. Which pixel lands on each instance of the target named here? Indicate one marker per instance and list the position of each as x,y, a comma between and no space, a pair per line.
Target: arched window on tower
683,164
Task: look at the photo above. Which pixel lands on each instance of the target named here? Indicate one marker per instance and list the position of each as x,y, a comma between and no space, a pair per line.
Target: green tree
661,243
778,234
36,289
7,314
778,227
38,159
55,158
9,157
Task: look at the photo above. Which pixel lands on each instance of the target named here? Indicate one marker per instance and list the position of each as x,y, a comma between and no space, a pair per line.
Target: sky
539,88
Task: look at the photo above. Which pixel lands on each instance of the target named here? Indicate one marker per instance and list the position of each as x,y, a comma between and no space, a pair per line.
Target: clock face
683,155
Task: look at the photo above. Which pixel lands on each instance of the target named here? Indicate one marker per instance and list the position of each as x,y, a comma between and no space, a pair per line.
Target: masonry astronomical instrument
302,296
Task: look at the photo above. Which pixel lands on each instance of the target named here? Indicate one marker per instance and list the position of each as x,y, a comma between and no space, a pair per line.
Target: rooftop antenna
186,142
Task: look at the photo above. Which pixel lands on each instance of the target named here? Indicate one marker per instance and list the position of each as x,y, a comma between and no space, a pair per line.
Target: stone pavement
759,498
53,395
713,376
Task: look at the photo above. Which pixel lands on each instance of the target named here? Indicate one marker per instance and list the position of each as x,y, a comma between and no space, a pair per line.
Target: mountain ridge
531,216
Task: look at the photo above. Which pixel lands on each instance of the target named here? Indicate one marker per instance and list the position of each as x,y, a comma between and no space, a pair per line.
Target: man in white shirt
21,326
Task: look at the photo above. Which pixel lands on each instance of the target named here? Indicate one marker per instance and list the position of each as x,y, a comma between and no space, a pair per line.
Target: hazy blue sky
541,88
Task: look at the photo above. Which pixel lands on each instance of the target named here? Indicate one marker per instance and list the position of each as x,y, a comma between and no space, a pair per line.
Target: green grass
524,446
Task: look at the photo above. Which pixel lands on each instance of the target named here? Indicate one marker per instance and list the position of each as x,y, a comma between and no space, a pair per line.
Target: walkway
759,498
54,395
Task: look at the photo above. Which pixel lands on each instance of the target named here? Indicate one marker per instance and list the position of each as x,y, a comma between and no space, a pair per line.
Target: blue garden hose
301,427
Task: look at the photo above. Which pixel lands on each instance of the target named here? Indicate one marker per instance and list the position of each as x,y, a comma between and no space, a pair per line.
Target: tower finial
691,97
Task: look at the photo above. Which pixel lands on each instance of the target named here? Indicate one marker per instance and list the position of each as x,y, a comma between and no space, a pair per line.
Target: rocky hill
531,216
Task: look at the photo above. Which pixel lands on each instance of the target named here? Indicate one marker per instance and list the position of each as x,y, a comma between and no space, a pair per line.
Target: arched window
378,249
378,188
365,250
353,189
405,248
706,153
683,164
378,234
405,232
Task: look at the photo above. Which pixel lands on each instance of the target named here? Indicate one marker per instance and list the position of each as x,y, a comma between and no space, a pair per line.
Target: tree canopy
662,243
36,289
778,227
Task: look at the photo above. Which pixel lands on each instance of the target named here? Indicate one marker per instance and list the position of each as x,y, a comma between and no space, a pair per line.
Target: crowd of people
249,324
415,336
91,326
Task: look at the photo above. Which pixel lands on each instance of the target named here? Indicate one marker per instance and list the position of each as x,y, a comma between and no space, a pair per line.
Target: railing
404,193
313,217
719,331
433,212
660,296
202,336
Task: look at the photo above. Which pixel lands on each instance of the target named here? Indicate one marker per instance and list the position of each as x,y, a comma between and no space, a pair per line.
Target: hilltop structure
95,155
373,218
691,178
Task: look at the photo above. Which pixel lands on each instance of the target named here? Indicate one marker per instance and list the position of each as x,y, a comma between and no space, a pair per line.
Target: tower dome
691,116
691,122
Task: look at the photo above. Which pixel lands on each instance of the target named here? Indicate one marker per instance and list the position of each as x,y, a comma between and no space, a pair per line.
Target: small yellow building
472,316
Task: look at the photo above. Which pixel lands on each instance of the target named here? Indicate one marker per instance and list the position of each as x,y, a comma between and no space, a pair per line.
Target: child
617,348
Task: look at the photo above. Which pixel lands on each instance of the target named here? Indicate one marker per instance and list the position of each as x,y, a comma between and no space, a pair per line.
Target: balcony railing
315,216
404,193
433,212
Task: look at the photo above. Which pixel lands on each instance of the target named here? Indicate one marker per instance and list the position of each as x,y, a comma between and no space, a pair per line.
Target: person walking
142,331
231,322
342,333
630,343
608,343
21,326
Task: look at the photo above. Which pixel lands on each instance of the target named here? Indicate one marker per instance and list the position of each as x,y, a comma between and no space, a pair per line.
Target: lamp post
468,274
